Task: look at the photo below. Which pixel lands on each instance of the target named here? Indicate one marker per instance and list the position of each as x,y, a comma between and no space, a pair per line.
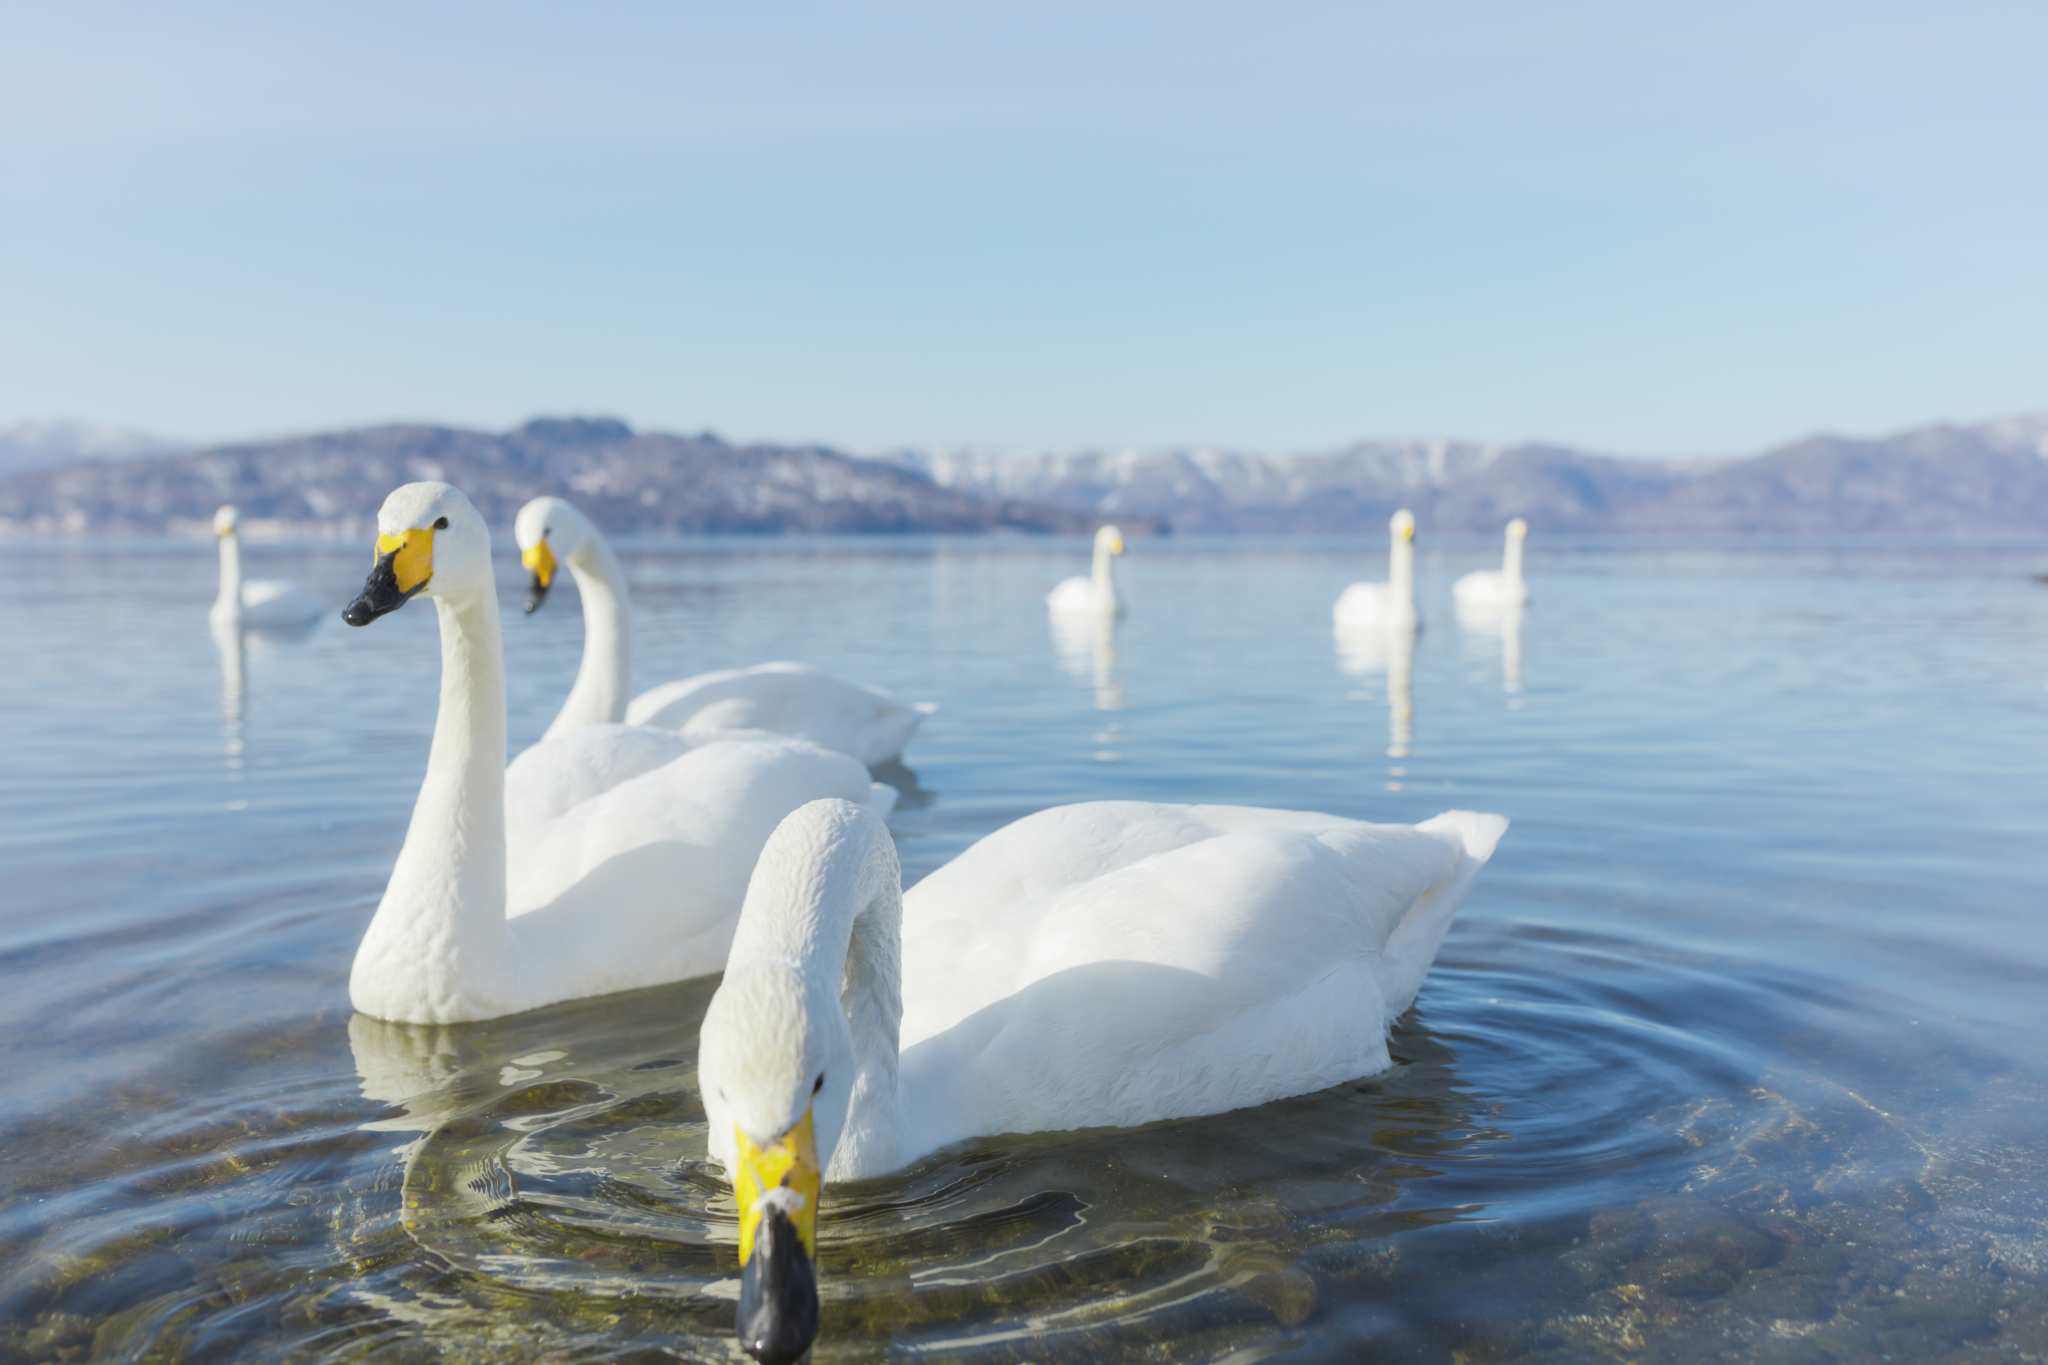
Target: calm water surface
1735,1052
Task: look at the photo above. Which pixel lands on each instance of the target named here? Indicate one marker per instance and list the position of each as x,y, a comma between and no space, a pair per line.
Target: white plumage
1111,963
604,860
255,603
1096,594
782,698
1388,604
1494,588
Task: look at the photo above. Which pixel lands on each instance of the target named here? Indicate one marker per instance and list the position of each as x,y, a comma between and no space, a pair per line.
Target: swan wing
1119,962
786,699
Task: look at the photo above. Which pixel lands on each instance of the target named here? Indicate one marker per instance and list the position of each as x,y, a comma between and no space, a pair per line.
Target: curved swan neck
1103,575
230,598
605,679
1511,560
438,944
829,903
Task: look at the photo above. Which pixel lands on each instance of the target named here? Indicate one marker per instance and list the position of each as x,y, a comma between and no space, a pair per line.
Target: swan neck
1103,576
605,678
834,912
1401,569
230,598
438,946
1511,561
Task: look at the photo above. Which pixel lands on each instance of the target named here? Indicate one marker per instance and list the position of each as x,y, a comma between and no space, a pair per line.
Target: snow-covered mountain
38,445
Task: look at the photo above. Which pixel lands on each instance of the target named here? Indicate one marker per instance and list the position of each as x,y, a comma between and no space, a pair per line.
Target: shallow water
1733,1052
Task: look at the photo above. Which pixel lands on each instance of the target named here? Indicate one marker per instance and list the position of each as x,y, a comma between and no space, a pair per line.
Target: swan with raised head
782,698
1494,588
255,603
1097,592
1391,603
1106,964
604,860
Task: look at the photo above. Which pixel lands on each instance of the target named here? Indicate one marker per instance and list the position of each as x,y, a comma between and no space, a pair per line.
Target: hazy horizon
1044,226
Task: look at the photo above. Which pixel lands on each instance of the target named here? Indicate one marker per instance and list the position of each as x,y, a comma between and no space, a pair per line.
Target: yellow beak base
403,566
777,1191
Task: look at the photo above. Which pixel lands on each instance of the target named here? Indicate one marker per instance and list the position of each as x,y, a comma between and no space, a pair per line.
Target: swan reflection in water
231,642
234,661
565,1150
1086,644
1483,623
1364,649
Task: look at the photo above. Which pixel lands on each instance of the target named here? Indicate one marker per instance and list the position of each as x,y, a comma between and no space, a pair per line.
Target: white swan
256,602
1097,592
783,698
609,859
1497,587
1112,963
1391,603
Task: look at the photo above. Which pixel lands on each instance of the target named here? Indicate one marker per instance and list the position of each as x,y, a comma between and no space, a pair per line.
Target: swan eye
820,1085
441,523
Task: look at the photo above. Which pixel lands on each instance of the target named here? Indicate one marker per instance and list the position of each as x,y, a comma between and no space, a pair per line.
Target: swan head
430,539
226,520
1110,539
777,1066
1402,525
548,530
1518,529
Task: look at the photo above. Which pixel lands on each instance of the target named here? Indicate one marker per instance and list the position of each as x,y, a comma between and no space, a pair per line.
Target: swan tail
1413,946
1475,833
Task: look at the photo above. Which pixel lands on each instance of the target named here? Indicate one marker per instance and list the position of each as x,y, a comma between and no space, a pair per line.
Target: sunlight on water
1732,1054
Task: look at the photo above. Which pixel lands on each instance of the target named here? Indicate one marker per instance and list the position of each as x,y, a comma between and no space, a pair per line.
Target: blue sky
1271,225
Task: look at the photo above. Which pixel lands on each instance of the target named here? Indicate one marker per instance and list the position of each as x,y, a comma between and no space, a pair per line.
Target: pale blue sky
1271,225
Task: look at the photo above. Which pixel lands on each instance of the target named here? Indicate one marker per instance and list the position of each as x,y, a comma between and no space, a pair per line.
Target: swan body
1391,603
783,698
604,860
255,602
1097,592
1483,588
1112,963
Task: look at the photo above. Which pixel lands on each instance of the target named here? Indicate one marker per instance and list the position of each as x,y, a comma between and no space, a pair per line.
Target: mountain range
1986,478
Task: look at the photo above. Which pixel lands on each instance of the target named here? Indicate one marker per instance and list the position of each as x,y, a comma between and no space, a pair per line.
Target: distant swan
1391,603
782,698
1097,592
1106,964
257,602
605,860
1497,587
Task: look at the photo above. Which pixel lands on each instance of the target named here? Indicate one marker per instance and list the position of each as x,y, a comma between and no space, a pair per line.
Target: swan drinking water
1484,588
256,602
1097,592
1391,603
783,698
1106,964
605,860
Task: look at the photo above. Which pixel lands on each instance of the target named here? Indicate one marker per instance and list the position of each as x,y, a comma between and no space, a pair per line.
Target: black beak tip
536,593
778,1307
358,613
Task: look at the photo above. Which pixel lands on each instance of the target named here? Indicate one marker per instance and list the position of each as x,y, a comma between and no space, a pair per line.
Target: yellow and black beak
404,565
541,561
777,1190
1116,545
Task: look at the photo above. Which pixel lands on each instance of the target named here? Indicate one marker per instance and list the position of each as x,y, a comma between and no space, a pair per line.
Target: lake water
1735,1052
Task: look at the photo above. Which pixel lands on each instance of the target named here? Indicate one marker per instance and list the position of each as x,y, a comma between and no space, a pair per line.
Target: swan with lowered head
1097,592
1483,588
1106,964
783,698
605,860
255,602
1391,603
